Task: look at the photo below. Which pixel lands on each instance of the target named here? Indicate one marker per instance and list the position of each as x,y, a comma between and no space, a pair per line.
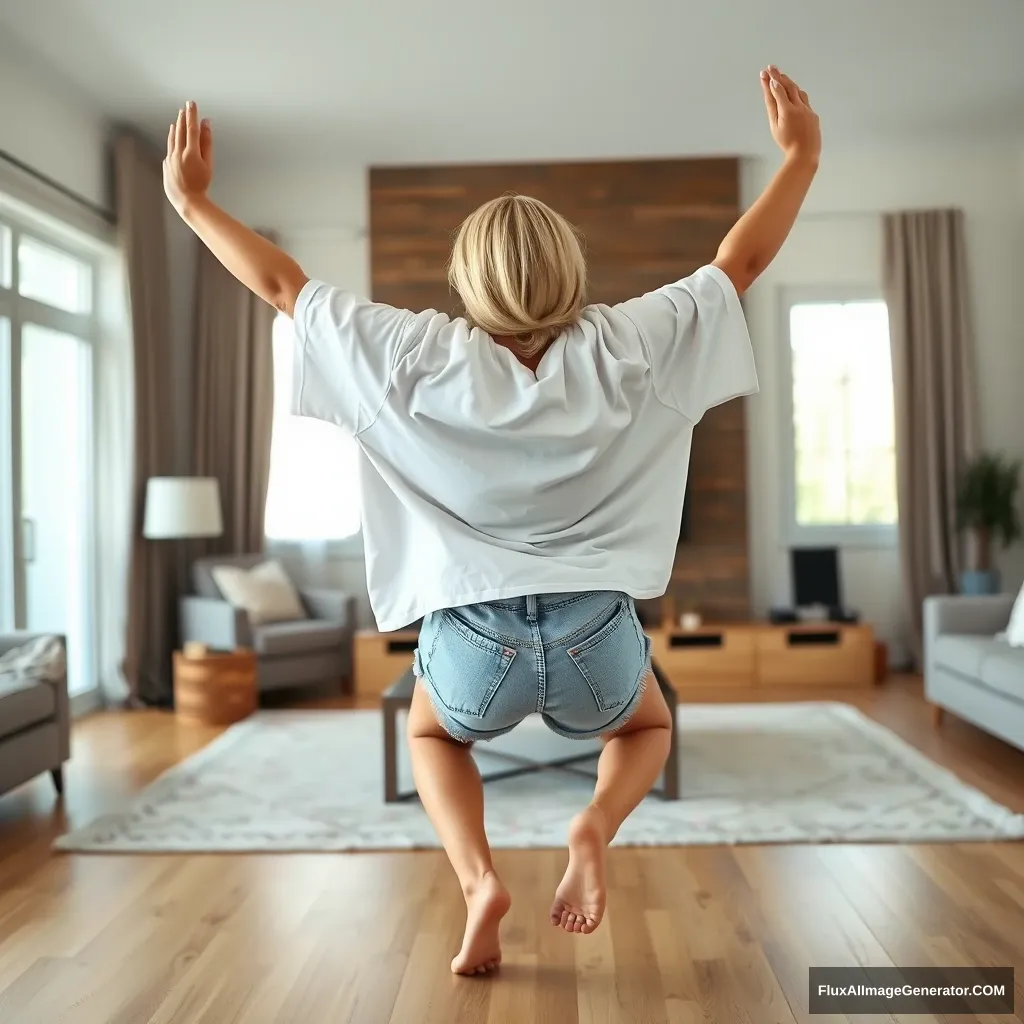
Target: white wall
320,217
43,125
838,241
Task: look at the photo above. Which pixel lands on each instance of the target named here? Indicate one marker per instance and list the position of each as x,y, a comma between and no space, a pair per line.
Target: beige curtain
152,575
234,402
925,276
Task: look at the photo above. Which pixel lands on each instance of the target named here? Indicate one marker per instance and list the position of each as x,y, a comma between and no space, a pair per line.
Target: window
314,466
48,330
5,256
842,484
53,277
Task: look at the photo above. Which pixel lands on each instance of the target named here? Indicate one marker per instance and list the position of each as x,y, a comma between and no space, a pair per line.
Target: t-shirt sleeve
697,342
345,349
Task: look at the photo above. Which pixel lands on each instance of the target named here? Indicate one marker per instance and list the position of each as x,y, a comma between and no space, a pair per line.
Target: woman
523,479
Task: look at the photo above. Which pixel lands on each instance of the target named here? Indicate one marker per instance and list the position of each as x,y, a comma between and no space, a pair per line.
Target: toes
484,968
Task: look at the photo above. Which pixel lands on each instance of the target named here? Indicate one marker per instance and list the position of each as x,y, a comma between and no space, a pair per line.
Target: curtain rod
49,182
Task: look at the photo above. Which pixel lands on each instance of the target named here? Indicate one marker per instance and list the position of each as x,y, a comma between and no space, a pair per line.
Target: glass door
8,603
56,493
47,329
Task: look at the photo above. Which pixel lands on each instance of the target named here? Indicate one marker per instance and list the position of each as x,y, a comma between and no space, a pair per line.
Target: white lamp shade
182,506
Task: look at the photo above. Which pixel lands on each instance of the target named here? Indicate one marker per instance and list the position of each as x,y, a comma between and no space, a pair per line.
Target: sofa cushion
1004,671
306,637
965,654
24,703
202,572
264,592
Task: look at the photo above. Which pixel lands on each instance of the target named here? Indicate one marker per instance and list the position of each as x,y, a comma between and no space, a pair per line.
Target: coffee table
398,696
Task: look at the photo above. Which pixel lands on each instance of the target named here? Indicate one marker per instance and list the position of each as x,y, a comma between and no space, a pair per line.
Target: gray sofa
310,652
35,724
968,671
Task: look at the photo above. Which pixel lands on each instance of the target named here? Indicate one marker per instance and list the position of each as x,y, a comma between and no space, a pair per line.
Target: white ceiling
405,81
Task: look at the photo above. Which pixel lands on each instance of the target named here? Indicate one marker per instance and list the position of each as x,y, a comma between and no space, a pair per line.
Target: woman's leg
631,761
452,794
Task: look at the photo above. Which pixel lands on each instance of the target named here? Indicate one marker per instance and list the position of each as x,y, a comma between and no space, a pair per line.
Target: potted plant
987,507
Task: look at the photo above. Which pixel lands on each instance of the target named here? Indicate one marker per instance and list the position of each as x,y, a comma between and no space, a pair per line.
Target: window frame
796,535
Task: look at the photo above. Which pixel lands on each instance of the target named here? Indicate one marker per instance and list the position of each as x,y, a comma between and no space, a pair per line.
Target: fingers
792,91
206,141
769,99
191,125
780,95
180,133
170,141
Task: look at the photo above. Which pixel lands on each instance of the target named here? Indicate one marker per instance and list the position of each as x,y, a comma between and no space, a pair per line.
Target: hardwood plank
690,935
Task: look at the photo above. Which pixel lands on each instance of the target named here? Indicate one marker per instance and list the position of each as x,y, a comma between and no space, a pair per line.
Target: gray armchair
288,654
35,724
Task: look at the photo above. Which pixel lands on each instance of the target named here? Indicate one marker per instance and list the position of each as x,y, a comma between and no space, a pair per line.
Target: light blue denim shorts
578,660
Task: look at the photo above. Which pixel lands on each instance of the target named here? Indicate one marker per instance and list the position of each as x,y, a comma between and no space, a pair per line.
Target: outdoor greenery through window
843,422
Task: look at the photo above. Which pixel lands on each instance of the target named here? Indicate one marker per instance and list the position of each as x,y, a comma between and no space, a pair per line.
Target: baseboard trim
86,703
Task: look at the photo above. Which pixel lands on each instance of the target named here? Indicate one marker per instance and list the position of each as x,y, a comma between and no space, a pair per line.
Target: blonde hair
519,269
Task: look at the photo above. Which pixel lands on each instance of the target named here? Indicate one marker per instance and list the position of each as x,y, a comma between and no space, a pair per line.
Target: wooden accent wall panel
645,223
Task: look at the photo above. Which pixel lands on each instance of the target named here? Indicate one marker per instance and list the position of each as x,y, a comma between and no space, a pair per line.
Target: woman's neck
530,362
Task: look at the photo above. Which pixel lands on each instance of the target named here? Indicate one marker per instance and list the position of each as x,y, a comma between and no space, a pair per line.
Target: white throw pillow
265,593
1015,630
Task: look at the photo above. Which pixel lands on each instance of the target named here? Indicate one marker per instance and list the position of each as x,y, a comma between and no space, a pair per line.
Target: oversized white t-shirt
482,480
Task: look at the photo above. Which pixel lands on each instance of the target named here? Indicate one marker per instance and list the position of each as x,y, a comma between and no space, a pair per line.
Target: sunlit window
53,277
843,422
314,478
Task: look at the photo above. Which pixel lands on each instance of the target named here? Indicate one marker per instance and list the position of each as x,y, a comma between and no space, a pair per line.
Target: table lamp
180,507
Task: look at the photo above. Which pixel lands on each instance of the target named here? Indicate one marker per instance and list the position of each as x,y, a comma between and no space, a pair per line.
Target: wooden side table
378,658
215,688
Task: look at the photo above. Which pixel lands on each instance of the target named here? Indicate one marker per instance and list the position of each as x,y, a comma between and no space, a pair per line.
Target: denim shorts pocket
463,668
612,659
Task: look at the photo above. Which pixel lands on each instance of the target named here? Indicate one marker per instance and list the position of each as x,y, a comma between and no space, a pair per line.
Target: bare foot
579,899
486,904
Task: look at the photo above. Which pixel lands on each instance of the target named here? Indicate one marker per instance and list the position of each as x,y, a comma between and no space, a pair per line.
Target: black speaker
816,577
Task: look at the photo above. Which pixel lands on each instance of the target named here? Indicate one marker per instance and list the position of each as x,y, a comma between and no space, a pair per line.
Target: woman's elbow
284,290
743,271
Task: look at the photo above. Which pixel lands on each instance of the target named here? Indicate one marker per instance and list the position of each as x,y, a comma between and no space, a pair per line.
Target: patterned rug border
1001,823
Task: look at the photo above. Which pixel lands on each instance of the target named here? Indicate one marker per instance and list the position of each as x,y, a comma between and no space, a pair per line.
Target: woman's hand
794,125
188,166
254,261
755,239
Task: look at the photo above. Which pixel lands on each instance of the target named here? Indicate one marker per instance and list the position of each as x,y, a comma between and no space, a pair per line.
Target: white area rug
761,773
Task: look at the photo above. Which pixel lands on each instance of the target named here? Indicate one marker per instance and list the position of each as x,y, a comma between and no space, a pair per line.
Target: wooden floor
691,934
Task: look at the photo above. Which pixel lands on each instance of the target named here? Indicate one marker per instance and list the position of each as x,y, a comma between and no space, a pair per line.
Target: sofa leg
57,774
938,713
